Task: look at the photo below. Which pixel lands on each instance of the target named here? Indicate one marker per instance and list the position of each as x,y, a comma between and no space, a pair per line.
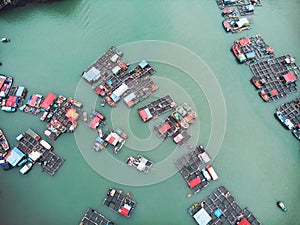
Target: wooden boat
3,141
227,11
226,26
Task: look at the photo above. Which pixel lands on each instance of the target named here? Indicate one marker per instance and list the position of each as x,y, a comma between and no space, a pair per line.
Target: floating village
115,81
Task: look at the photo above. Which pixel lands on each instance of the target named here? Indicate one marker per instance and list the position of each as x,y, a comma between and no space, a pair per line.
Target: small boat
227,11
26,168
3,141
281,206
5,40
226,26
103,102
296,132
85,116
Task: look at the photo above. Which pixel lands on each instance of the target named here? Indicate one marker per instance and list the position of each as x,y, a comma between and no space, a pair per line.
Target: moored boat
296,133
281,206
227,11
3,142
226,26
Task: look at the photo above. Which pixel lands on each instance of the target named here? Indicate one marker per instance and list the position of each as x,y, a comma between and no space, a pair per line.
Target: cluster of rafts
274,77
235,12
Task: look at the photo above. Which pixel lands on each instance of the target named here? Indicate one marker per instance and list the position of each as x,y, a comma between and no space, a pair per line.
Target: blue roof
143,64
148,113
114,97
20,91
15,156
92,75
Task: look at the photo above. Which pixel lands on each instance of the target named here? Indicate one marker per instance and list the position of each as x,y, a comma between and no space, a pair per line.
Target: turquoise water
52,44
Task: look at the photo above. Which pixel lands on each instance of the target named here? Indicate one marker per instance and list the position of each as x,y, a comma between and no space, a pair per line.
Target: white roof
202,217
129,97
114,58
45,144
120,90
205,157
35,155
116,69
242,21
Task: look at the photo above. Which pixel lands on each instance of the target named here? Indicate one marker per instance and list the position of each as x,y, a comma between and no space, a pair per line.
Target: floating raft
289,113
220,207
110,61
224,3
252,49
140,163
275,77
119,202
62,115
176,124
156,108
32,105
93,217
51,162
192,168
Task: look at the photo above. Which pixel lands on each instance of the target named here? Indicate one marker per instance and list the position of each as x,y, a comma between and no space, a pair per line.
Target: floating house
14,156
48,101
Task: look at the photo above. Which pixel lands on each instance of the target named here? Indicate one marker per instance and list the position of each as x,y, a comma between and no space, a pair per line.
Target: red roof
194,182
111,140
289,77
143,115
244,41
164,128
124,211
244,222
11,101
94,122
274,92
270,49
48,101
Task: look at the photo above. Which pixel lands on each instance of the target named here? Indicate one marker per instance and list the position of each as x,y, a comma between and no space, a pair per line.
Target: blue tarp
250,55
99,139
249,7
14,156
20,91
143,64
218,213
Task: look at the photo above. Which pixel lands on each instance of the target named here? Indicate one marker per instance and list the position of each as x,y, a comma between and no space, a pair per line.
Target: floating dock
119,202
220,207
192,168
156,108
93,217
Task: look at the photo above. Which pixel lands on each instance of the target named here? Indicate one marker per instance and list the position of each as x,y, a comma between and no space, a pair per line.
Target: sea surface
256,159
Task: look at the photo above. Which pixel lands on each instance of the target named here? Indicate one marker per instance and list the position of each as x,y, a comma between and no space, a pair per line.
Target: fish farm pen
220,207
119,202
190,167
93,217
156,108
